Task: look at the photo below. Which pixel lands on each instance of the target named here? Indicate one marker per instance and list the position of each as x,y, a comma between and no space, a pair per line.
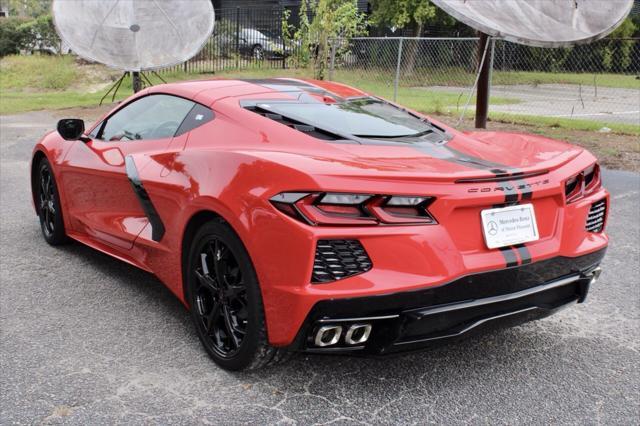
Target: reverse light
351,199
352,209
406,201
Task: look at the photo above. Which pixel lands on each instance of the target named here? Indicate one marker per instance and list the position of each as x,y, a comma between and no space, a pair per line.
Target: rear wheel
257,52
225,300
48,205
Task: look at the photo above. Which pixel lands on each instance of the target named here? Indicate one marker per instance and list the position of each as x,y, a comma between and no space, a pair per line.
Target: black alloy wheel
221,297
225,300
48,204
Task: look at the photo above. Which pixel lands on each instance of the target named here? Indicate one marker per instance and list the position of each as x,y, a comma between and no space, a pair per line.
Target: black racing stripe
509,256
477,162
527,194
511,186
525,255
501,171
525,189
510,194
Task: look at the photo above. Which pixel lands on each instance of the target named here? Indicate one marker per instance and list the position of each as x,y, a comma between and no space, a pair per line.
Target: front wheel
48,204
225,300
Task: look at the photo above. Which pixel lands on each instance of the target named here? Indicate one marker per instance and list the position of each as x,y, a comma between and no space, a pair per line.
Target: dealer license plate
507,226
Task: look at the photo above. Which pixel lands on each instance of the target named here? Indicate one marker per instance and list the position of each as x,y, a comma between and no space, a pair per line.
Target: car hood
467,155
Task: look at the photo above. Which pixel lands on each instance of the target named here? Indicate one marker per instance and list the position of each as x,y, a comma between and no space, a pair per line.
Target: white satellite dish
542,23
134,35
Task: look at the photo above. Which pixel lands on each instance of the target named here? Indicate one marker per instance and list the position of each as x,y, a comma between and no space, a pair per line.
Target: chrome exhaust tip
328,335
595,275
357,334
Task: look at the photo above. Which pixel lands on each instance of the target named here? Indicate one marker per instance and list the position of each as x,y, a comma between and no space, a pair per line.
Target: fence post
484,75
281,15
491,63
395,82
237,37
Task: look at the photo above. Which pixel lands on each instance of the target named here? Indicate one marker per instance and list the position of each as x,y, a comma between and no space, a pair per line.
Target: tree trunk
321,57
412,50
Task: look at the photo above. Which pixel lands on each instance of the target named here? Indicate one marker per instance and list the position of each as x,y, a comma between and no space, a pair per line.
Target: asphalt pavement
86,339
588,102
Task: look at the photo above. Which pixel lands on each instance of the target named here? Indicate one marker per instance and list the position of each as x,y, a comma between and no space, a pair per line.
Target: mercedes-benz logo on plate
493,228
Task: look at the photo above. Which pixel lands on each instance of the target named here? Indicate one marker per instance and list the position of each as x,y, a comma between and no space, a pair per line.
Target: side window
150,117
198,116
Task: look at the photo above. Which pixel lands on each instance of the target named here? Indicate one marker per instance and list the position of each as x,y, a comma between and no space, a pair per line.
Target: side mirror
71,129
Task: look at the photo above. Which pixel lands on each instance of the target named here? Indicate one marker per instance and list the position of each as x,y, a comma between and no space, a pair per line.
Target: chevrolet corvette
308,216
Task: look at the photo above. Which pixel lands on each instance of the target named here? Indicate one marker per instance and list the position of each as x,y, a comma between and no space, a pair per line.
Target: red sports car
293,215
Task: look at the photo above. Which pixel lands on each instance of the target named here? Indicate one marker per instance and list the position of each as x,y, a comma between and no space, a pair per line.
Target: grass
29,83
420,99
37,72
12,102
564,123
461,77
586,79
37,82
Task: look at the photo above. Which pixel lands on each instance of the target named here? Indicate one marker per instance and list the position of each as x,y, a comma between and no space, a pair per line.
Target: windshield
359,117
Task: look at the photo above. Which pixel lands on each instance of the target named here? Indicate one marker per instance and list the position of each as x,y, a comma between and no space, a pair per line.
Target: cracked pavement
87,339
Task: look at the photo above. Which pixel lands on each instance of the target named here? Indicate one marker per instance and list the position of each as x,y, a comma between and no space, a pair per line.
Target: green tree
331,19
620,51
12,35
29,8
608,55
40,34
413,14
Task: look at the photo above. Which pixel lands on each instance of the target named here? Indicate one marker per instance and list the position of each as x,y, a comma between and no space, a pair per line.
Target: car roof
209,91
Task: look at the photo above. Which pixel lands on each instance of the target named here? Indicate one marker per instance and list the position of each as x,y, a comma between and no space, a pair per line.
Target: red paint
235,163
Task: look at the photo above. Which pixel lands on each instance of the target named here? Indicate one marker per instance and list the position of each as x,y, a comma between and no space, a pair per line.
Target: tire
47,201
257,52
225,300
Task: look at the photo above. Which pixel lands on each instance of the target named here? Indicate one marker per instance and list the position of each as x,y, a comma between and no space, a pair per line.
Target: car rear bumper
412,320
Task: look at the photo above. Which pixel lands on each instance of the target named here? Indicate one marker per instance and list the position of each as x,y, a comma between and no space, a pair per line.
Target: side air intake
596,216
338,259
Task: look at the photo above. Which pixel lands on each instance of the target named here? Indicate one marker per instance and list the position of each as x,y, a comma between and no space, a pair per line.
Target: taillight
584,183
402,209
342,209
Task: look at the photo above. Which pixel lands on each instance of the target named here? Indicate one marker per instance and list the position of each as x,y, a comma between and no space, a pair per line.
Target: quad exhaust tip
357,334
595,274
329,335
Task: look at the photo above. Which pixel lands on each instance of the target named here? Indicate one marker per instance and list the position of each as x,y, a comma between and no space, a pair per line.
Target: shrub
40,35
12,35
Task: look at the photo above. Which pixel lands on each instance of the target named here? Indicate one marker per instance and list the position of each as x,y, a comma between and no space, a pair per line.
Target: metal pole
491,64
395,83
482,94
237,37
136,81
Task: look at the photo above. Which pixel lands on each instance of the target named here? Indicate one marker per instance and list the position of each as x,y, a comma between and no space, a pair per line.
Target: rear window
359,117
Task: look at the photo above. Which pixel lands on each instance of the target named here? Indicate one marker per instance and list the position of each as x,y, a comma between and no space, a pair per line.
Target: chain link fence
593,85
598,84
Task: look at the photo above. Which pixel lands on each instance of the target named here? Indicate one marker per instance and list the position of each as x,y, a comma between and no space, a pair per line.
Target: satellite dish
542,23
134,35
